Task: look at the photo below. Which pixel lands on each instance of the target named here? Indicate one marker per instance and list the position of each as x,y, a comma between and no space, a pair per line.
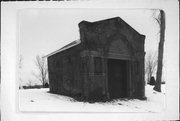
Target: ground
42,100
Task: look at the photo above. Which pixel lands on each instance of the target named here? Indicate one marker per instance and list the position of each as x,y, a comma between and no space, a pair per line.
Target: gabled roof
88,23
72,44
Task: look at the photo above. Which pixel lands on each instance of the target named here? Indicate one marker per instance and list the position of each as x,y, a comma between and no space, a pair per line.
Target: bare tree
161,22
20,61
20,64
150,64
29,83
42,70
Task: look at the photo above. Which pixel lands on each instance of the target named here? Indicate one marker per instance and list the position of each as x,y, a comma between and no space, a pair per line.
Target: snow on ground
42,100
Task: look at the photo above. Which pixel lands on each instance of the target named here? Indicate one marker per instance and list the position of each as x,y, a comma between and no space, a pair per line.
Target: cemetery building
107,61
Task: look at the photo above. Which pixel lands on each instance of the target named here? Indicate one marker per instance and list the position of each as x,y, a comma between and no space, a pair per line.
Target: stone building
107,61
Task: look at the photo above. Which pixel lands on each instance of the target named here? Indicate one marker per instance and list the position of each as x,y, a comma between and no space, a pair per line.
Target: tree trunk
160,52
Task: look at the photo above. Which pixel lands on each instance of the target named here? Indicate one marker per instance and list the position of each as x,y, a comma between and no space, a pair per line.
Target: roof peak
114,18
84,23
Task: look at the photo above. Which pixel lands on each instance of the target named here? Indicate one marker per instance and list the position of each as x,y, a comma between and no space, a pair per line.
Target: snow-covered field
41,100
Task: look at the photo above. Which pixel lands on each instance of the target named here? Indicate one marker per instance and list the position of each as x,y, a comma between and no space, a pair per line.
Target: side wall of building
65,72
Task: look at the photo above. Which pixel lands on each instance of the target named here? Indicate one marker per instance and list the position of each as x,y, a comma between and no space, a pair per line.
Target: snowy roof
72,44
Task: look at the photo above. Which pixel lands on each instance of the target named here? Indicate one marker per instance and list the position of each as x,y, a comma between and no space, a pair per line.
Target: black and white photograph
90,60
80,60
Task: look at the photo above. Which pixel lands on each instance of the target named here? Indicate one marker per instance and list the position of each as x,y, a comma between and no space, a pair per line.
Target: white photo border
9,54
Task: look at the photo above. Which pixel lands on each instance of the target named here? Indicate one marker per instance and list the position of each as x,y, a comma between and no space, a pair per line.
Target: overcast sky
42,31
